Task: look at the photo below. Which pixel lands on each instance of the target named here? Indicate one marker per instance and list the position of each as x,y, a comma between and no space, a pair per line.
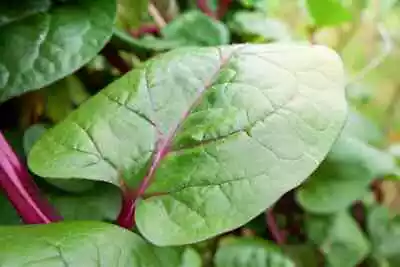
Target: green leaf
339,238
131,13
220,134
249,252
302,255
258,24
31,135
147,43
63,96
344,176
81,244
384,230
194,28
328,12
101,203
11,11
41,48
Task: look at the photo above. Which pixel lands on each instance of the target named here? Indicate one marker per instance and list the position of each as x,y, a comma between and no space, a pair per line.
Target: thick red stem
223,7
21,190
203,6
145,29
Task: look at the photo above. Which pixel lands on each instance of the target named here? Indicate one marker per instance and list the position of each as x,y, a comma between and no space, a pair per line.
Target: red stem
273,227
223,7
203,6
147,28
112,56
20,189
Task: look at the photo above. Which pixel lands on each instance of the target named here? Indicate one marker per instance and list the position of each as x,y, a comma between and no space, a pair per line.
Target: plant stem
112,56
273,227
223,7
203,6
20,189
147,28
126,217
157,17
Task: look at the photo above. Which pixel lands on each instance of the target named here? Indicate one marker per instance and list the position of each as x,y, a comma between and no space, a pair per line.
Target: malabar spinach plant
186,133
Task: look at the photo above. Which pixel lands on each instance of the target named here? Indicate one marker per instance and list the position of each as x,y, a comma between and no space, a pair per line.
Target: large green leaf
82,244
218,133
41,48
384,230
248,252
328,12
344,176
196,28
339,238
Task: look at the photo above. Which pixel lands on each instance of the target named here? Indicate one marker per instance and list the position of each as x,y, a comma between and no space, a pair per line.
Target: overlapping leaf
84,244
248,252
219,134
39,48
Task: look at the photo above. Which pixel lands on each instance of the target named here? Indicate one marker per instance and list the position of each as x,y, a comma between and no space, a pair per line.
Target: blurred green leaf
257,24
8,215
250,252
169,9
339,238
302,255
384,230
344,176
38,49
193,28
64,96
131,13
328,12
11,11
101,203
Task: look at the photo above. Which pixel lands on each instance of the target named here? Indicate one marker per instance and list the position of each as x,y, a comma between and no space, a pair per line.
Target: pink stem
223,7
149,28
203,6
20,189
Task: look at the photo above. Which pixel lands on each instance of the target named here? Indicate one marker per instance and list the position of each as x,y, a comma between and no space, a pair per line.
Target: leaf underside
218,133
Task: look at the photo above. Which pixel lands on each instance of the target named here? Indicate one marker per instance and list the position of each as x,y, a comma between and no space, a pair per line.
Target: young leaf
41,48
384,230
328,12
258,24
195,28
339,238
344,176
131,12
248,252
215,134
82,244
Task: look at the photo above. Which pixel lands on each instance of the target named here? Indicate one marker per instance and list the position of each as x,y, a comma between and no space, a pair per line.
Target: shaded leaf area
39,48
328,12
85,244
258,24
8,214
344,176
214,157
12,11
339,238
304,255
196,28
384,230
250,252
